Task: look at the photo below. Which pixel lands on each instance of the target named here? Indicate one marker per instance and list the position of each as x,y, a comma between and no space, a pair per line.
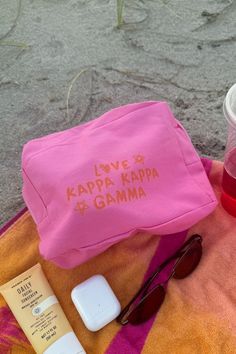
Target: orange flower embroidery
81,207
138,158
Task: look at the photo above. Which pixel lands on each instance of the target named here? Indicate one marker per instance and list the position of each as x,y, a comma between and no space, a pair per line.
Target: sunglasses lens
188,262
147,306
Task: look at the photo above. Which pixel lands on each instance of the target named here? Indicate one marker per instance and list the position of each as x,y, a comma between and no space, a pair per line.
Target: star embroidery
81,207
138,158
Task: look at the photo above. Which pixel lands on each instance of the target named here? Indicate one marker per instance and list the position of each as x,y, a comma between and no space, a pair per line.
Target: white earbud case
96,302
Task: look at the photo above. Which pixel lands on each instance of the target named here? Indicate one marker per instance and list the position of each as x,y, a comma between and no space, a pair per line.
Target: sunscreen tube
39,313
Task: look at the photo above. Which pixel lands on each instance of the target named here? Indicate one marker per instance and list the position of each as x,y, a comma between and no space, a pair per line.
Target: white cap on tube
67,344
229,106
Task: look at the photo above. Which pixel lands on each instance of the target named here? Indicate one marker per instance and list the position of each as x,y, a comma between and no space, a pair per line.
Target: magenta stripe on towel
9,223
130,339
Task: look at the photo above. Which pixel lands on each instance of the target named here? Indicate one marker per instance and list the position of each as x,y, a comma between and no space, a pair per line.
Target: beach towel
198,315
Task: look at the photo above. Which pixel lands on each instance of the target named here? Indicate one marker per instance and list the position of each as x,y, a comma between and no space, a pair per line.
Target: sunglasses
149,299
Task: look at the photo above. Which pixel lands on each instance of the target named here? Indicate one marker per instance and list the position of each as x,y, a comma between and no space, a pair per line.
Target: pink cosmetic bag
132,169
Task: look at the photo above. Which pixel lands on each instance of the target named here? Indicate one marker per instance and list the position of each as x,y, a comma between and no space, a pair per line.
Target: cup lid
229,106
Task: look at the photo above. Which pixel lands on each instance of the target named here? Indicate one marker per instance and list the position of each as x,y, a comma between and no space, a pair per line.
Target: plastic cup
228,196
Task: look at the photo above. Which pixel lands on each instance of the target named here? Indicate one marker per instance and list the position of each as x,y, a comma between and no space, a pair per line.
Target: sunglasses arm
128,308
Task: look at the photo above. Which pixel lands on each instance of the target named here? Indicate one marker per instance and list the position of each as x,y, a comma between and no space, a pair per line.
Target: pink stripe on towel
130,339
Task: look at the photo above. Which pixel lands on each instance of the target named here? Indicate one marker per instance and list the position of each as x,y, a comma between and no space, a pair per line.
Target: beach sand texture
179,51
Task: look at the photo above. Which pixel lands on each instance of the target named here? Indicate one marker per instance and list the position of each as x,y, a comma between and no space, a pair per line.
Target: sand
181,51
